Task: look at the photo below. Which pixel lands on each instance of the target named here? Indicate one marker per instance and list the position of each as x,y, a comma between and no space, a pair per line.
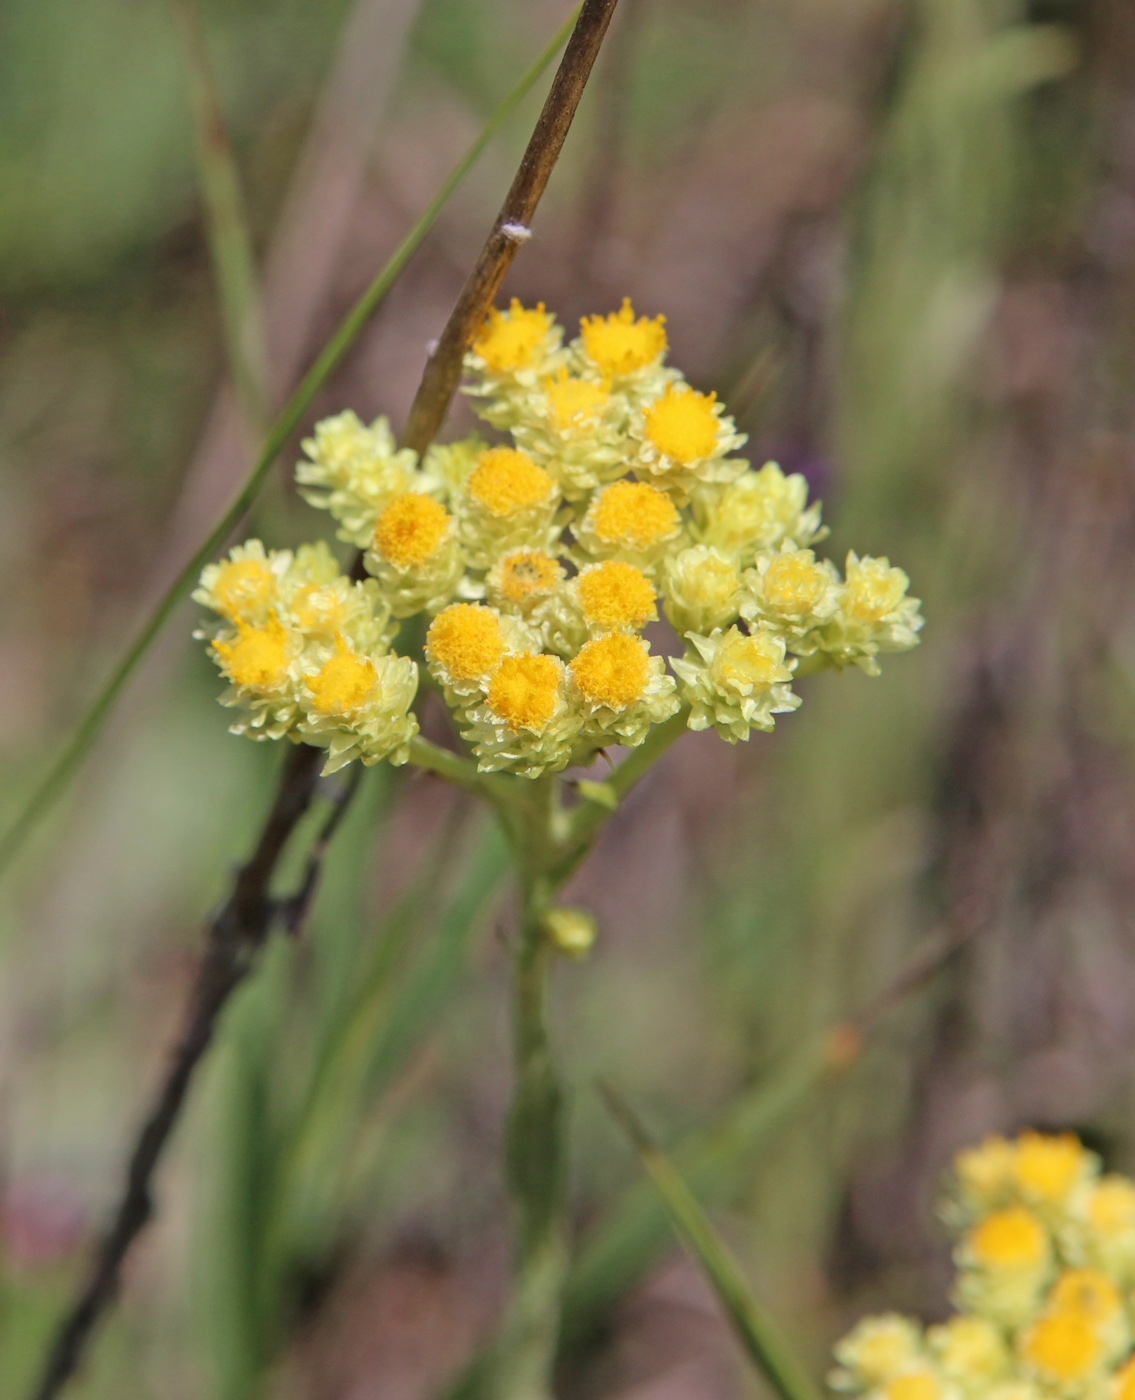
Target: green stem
536,1154
497,789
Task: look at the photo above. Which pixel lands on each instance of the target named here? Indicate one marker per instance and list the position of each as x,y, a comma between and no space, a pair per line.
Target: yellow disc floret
526,572
411,530
1111,1207
985,1171
317,609
1012,1238
524,691
682,424
1087,1292
616,595
242,586
574,402
874,589
1047,1166
748,663
612,670
466,640
259,656
342,683
618,344
969,1348
512,341
879,1348
913,1385
633,514
1062,1346
794,584
505,481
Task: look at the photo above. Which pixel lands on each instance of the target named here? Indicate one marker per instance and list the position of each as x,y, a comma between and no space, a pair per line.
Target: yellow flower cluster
535,562
1045,1287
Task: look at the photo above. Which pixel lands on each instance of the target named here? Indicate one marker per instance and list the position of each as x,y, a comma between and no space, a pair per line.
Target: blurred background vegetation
898,236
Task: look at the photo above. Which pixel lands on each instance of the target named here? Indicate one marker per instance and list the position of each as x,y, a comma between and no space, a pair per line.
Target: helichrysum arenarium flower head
626,351
353,471
524,569
760,510
1043,1314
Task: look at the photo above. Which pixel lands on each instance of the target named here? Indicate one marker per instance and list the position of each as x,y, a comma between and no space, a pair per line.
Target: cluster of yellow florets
1045,1287
537,561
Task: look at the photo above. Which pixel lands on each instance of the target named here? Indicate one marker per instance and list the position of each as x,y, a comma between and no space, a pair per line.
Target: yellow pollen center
574,402
1065,1345
242,586
259,656
1111,1208
1008,1239
466,639
411,530
505,481
915,1385
1087,1292
612,670
616,594
1048,1166
512,340
317,609
618,344
682,424
342,683
747,663
524,691
794,585
633,514
526,572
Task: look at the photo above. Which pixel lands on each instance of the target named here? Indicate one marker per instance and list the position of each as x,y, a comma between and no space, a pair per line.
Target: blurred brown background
898,237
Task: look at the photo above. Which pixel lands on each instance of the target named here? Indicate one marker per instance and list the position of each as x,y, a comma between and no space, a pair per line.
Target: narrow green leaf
226,224
75,749
755,1329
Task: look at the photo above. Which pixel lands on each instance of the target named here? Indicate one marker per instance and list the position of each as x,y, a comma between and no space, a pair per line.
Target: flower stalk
536,1155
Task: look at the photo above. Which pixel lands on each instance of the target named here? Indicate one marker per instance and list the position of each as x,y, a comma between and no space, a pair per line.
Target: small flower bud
572,931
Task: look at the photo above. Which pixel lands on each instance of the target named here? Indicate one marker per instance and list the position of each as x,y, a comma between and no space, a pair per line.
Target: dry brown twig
238,931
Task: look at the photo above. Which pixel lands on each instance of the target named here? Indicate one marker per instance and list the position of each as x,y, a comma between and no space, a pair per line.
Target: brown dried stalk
238,931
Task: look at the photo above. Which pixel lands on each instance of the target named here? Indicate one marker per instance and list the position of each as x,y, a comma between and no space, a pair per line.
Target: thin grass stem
226,226
755,1328
74,751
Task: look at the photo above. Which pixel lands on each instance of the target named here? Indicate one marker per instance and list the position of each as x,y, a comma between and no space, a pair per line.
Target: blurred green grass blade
73,752
756,1330
226,225
397,1004
628,1238
716,1160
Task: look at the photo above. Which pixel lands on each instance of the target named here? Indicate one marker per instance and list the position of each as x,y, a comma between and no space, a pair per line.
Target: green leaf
755,1329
